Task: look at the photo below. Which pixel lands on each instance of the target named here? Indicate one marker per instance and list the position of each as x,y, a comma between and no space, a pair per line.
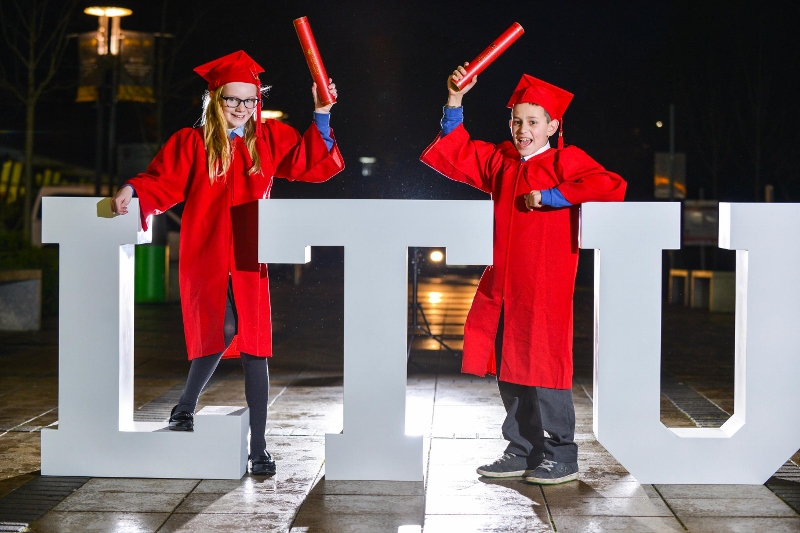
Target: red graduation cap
237,66
553,99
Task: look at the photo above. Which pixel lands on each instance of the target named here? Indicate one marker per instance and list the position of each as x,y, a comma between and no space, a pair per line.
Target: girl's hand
533,200
318,107
120,201
454,96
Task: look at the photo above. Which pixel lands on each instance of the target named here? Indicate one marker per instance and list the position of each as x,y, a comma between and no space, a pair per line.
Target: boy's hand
533,200
454,96
120,201
318,107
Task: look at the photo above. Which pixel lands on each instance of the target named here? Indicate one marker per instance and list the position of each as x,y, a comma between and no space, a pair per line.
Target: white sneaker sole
550,481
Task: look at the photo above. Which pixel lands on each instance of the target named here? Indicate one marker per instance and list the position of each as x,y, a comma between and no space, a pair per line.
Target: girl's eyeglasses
232,101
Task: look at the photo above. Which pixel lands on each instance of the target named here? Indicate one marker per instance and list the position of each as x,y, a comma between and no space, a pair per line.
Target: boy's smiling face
530,128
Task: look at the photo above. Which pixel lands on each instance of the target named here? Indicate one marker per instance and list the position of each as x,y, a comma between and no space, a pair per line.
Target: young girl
219,169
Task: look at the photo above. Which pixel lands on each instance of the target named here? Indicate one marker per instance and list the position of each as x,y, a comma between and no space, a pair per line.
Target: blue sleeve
453,116
131,186
323,122
554,198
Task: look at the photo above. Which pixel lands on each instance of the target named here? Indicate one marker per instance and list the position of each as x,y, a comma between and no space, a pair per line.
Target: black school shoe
263,465
181,421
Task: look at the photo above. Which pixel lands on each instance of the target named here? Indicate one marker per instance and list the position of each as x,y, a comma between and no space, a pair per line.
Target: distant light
106,11
271,113
659,124
436,256
367,164
435,297
109,32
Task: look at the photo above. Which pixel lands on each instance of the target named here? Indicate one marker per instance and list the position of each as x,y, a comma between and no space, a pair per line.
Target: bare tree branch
13,89
17,31
38,49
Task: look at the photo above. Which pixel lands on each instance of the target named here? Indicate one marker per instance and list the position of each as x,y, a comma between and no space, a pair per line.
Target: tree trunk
30,116
159,92
29,123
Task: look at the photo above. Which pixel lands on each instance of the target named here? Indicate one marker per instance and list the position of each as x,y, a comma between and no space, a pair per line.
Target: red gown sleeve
585,180
302,158
462,159
164,182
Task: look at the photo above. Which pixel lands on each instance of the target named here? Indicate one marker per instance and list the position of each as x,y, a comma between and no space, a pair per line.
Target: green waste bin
151,274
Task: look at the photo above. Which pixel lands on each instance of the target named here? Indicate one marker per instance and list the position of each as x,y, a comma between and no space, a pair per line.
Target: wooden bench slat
19,275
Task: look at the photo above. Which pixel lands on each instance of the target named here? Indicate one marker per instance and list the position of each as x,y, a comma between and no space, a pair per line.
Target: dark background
729,67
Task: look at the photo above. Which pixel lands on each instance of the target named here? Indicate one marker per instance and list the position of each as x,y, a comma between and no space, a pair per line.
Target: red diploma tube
314,60
486,57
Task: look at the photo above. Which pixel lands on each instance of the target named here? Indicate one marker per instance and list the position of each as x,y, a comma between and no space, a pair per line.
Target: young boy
520,323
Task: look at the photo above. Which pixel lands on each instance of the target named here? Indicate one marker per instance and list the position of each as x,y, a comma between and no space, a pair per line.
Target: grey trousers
540,422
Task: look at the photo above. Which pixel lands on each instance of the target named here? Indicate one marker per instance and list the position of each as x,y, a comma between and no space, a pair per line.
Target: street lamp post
109,39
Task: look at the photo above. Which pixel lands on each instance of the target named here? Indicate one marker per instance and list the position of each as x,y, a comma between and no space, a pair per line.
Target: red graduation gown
220,226
535,255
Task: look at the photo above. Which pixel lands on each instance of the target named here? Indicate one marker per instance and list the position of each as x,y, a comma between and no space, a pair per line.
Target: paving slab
519,499
228,523
124,502
703,492
473,523
99,522
686,507
370,488
359,513
596,489
564,504
280,502
721,524
617,524
178,486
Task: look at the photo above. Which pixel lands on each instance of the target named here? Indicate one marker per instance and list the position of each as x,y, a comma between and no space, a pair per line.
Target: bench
20,300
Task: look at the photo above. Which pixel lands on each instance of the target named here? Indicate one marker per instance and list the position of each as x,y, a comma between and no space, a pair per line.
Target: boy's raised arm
454,96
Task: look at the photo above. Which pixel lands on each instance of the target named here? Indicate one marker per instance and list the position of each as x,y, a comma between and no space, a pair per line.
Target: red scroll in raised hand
486,57
314,60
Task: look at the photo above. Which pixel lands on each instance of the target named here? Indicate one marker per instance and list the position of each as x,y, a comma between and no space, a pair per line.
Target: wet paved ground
459,416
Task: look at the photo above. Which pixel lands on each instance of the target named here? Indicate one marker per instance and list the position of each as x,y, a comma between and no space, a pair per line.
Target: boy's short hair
546,114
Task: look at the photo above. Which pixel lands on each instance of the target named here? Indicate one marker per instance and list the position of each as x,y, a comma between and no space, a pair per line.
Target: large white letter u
762,433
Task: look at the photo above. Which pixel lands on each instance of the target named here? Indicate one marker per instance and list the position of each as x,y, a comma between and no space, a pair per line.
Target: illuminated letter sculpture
376,235
762,433
96,434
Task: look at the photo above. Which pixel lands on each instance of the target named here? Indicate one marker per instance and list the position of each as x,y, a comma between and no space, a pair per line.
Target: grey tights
256,382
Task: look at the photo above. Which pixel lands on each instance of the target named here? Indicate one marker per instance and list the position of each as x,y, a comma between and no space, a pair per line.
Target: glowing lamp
435,297
109,32
272,113
108,11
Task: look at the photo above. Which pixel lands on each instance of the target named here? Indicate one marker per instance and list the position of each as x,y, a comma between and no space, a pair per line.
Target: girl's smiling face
530,128
239,115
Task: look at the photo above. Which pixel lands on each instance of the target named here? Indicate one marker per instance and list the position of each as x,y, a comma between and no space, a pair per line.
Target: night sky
624,61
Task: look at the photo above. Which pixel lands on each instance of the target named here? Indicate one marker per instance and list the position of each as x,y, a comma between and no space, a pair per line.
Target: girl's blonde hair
215,137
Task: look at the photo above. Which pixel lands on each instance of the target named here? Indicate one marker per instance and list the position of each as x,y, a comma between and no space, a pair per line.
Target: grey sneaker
553,473
508,465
